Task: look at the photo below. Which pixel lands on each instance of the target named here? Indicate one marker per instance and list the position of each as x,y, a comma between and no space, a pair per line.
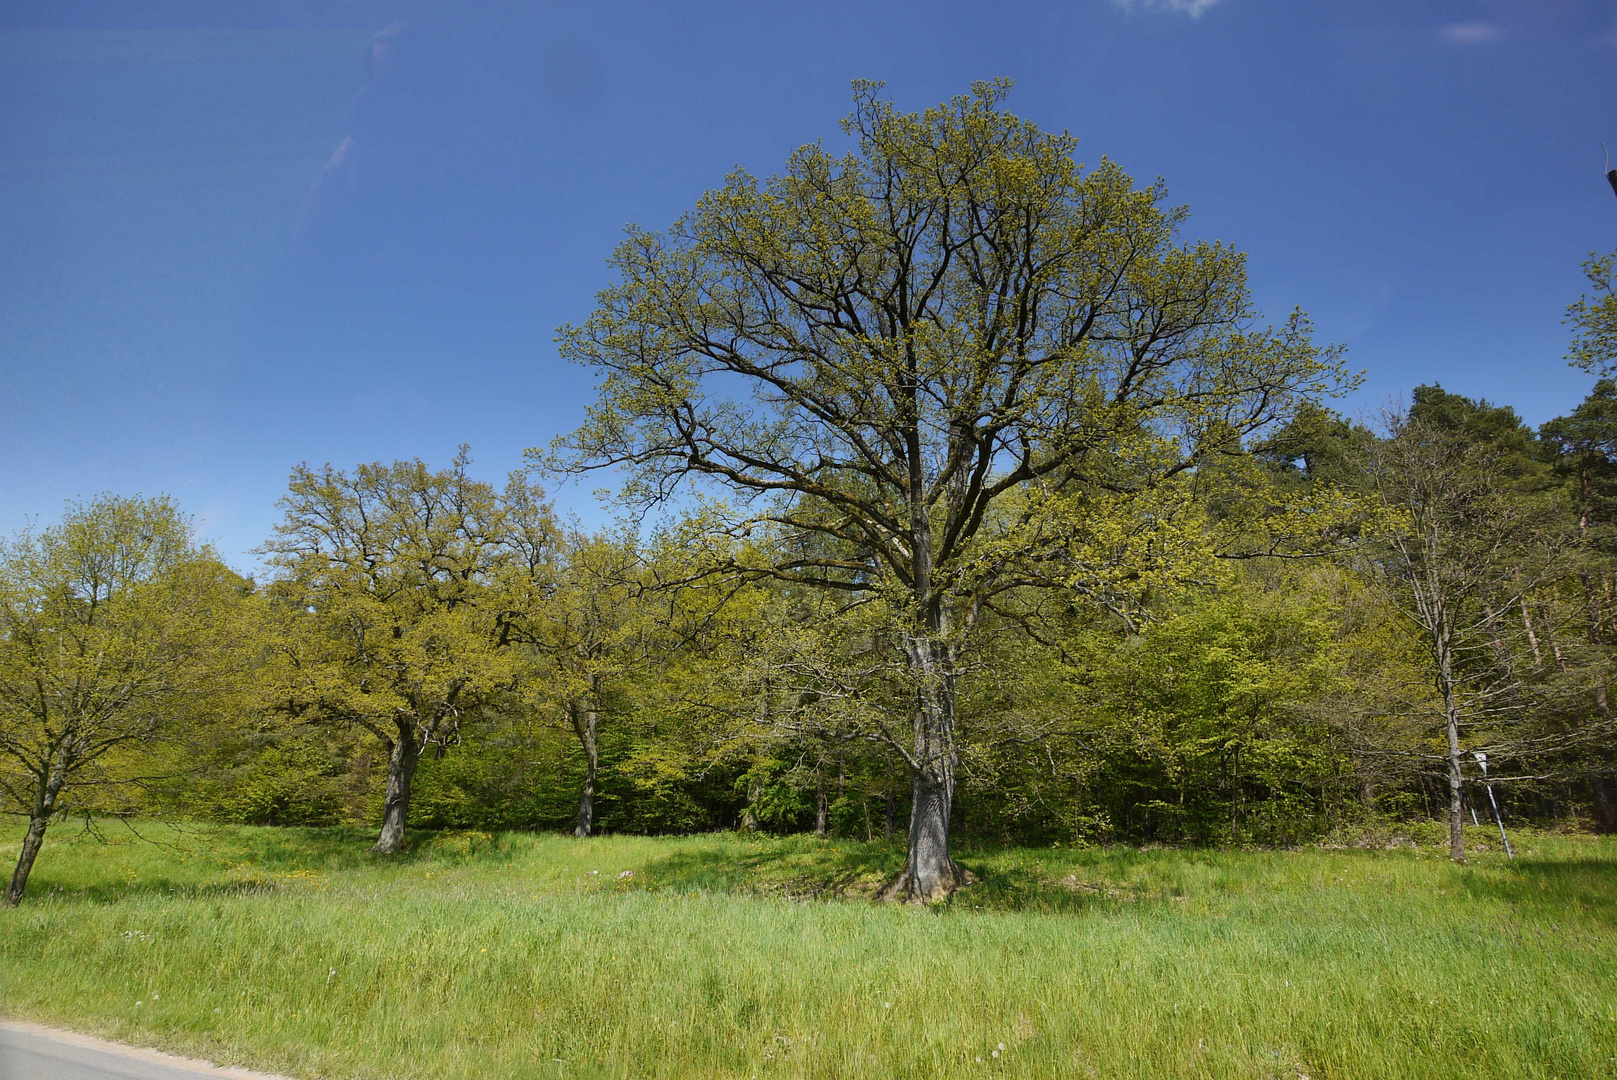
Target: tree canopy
946,365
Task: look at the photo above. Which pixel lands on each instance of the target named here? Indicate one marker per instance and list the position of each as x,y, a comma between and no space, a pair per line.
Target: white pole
1482,760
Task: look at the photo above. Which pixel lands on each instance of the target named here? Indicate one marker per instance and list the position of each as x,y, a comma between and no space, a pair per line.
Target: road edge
137,1053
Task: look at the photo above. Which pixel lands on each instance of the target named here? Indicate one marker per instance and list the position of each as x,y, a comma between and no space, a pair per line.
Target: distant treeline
1285,699
526,663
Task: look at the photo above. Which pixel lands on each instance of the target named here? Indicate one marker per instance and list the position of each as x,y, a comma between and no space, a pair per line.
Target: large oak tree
945,365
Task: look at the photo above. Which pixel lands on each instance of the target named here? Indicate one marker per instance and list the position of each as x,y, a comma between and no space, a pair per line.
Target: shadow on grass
848,870
205,861
1586,885
845,869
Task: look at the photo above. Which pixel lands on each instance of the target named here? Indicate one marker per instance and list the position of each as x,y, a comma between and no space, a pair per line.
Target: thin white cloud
1472,33
1193,8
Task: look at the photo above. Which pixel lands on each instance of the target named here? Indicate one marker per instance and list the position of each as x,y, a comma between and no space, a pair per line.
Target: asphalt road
30,1052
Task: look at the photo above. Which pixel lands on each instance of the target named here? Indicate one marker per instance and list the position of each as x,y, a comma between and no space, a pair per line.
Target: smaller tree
395,614
111,638
1479,532
594,628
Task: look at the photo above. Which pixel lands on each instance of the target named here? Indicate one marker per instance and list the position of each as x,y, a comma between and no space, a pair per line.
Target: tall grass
520,956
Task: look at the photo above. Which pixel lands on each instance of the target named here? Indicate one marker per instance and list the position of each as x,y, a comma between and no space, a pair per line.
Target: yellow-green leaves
396,585
116,630
1594,346
952,357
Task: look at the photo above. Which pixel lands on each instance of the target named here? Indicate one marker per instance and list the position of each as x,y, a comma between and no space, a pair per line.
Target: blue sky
200,289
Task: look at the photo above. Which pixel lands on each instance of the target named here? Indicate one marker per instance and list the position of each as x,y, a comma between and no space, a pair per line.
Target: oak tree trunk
403,755
585,717
930,873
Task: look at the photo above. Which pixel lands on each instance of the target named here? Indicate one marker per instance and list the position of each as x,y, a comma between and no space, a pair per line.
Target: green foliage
1583,449
1594,318
1201,728
1315,445
116,633
389,600
291,778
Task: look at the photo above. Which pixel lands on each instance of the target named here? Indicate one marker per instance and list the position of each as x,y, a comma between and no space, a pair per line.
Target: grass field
514,956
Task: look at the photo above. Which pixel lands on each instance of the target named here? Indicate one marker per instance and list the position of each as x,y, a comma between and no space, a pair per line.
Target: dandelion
138,1004
978,1059
216,1012
1002,1046
887,1004
996,1053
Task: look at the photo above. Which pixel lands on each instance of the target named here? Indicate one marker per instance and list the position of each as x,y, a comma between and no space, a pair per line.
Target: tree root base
904,889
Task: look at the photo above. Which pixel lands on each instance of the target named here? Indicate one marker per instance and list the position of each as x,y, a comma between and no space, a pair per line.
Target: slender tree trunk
749,816
1605,805
930,873
1611,607
1592,601
820,808
1456,784
887,800
1443,653
45,795
1555,642
584,722
1532,638
1501,652
31,843
403,755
